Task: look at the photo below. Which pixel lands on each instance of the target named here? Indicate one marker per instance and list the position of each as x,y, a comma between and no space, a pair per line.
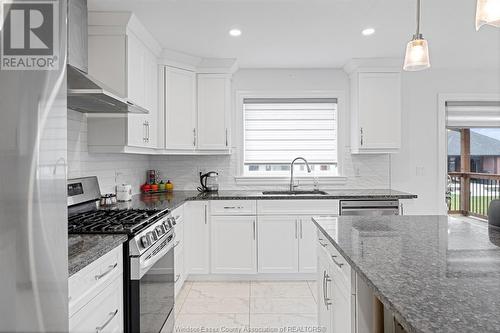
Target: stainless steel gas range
149,291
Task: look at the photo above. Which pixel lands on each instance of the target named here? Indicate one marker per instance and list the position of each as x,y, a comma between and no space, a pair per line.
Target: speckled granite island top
84,249
436,274
177,198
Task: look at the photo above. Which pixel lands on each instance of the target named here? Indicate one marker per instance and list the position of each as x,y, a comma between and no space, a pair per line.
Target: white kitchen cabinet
278,244
233,244
375,106
180,109
325,290
179,252
124,59
307,245
214,103
103,314
341,306
96,295
300,230
196,227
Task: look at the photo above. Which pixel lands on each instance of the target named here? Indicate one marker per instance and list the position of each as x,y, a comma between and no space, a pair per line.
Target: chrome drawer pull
336,262
177,277
111,268
322,244
176,243
112,315
233,207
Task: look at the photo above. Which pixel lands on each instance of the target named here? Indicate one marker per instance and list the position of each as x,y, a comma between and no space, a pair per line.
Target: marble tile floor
233,306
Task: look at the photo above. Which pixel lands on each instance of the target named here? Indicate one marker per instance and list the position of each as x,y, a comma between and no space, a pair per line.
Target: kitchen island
434,273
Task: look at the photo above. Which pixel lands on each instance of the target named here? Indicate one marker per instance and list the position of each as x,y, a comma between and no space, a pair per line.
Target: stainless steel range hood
86,94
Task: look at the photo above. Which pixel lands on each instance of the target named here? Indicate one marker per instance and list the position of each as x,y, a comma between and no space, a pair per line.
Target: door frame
442,137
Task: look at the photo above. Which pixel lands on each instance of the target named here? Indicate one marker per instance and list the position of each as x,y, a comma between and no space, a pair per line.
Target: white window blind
472,114
278,130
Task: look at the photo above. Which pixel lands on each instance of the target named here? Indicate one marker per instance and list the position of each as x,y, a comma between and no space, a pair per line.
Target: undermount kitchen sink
312,192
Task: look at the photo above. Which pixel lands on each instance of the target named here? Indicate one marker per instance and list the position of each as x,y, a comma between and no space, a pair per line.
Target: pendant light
487,12
417,50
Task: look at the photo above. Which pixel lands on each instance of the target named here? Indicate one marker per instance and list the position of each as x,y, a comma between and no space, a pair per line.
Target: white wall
415,168
362,171
129,169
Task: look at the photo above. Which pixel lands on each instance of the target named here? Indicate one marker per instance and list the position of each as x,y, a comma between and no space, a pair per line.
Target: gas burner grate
124,221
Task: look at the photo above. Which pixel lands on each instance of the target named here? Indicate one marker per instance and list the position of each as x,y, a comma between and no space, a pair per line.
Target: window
278,130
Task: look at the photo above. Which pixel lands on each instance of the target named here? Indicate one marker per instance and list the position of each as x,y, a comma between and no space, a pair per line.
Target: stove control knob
159,230
165,225
174,221
145,241
152,236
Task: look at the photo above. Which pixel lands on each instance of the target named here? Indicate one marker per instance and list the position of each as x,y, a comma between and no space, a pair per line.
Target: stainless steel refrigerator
33,215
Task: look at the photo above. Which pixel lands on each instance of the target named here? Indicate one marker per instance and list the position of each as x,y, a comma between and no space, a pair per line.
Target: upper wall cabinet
214,102
123,56
197,112
180,109
375,105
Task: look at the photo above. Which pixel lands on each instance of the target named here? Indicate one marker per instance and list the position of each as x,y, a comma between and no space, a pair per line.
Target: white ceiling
314,33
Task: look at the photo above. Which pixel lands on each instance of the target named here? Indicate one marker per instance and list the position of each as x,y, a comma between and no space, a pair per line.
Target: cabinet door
213,111
379,100
341,308
151,98
180,117
324,304
135,70
104,313
307,245
278,244
196,237
233,244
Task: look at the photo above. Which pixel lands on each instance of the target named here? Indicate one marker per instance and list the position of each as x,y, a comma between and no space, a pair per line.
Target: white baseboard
252,277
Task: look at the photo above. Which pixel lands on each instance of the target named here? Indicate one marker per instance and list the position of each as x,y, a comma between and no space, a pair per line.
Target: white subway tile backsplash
109,168
362,171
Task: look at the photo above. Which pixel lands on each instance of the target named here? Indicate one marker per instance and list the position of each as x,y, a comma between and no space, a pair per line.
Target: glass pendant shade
417,55
487,12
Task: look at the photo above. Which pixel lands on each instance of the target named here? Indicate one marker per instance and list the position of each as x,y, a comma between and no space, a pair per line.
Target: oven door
152,289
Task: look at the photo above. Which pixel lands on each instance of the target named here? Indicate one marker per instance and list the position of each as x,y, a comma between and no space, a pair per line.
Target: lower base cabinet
278,244
103,314
336,311
96,295
233,244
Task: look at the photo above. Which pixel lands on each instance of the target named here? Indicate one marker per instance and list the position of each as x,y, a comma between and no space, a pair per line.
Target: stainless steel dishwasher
369,207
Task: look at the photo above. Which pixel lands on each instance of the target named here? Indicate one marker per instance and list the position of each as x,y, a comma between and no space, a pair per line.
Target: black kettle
209,182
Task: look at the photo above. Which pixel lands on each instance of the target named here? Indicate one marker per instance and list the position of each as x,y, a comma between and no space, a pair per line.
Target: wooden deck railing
471,193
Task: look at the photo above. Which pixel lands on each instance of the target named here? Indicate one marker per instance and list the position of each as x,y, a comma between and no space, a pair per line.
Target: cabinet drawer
103,314
233,207
342,269
91,280
179,270
298,207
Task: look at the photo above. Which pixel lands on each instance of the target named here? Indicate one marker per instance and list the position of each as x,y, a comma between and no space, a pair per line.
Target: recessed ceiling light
368,31
235,32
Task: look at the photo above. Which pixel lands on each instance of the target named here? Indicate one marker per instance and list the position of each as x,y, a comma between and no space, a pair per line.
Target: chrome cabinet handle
144,130
112,315
361,132
327,300
301,234
336,262
111,268
226,138
296,229
194,137
176,244
254,230
177,277
205,214
233,207
322,244
147,132
177,217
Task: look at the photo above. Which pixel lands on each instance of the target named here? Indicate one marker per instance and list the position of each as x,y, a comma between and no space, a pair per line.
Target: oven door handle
139,268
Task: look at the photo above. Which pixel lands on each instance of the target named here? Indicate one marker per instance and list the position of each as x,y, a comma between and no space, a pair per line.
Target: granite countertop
175,199
437,274
84,249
